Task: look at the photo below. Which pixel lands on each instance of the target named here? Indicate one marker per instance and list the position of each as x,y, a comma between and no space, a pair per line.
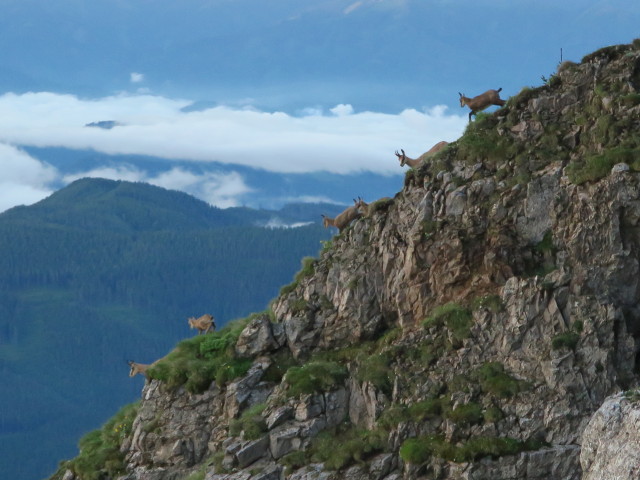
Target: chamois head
137,368
462,99
402,158
361,205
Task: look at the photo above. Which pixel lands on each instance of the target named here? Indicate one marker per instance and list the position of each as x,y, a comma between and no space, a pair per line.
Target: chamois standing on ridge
414,162
203,324
482,101
367,209
139,368
342,220
362,206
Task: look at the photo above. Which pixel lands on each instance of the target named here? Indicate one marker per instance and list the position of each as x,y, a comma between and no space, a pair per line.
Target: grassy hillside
102,272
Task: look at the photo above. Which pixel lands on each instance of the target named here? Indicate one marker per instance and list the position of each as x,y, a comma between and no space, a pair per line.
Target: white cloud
14,194
385,4
276,222
220,189
343,142
352,7
310,112
309,199
23,179
124,172
342,110
136,77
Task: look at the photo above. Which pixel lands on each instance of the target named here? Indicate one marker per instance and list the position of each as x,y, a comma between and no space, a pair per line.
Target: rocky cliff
468,328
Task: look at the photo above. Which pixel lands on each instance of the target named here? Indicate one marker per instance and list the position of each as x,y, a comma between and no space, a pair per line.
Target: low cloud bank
23,179
339,141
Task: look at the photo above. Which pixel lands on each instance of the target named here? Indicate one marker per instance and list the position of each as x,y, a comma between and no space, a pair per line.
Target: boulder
611,440
257,338
252,451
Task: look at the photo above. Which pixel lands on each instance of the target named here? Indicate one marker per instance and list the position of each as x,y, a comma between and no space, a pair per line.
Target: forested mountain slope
469,328
102,272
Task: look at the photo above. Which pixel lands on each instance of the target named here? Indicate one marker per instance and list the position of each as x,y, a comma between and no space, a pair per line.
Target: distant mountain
105,271
104,124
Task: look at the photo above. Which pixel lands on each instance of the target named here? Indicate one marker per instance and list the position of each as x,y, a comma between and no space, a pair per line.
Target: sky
293,88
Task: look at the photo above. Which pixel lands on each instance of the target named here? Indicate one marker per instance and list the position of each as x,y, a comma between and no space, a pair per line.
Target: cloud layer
338,141
23,179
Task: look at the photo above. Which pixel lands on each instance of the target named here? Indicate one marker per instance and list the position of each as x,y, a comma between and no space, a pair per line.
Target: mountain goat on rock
343,220
139,368
204,324
482,101
415,162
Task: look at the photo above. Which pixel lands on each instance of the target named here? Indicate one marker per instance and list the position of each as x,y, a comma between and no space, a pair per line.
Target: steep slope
103,272
468,328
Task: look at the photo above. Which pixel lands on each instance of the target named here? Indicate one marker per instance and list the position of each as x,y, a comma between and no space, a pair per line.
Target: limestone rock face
172,430
261,336
611,440
480,319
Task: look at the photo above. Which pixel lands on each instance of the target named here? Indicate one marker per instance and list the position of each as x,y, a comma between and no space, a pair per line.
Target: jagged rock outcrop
468,329
611,440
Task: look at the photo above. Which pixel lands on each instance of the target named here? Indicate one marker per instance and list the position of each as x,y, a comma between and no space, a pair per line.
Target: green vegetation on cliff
198,361
100,454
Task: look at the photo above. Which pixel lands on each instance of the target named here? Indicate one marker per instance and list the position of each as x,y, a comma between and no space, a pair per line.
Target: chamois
414,162
362,206
343,220
368,209
404,160
482,101
204,324
138,368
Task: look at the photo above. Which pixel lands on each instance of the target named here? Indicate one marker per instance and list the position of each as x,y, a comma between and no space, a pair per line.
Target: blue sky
211,88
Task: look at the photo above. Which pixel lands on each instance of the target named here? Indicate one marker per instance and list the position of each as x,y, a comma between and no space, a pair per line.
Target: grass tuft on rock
314,377
100,456
455,317
419,450
201,360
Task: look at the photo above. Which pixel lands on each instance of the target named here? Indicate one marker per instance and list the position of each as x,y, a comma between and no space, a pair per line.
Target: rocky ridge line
468,328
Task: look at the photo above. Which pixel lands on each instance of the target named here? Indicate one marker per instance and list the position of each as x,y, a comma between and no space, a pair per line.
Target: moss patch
565,340
250,422
100,456
198,361
355,445
314,377
421,449
494,380
455,317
